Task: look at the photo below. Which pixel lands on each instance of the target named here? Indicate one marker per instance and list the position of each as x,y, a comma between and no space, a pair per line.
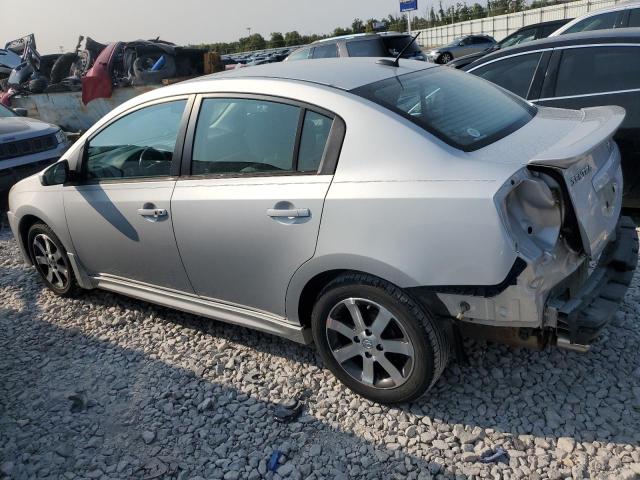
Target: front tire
51,261
445,58
377,340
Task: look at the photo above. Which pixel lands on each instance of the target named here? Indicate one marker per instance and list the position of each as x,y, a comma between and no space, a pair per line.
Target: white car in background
374,208
622,15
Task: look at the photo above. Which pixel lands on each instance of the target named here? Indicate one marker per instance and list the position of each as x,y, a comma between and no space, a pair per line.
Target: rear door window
463,111
326,51
595,22
241,136
367,48
514,73
597,70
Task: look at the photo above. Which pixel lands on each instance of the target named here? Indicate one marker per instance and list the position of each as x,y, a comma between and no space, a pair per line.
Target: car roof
612,8
341,73
544,24
360,36
616,35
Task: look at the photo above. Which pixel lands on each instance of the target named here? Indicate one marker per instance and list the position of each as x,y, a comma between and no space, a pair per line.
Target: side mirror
461,44
21,112
56,174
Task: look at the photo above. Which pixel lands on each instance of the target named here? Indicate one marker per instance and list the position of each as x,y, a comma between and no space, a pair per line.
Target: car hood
20,128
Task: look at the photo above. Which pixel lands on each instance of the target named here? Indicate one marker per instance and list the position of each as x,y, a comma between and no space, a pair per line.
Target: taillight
534,213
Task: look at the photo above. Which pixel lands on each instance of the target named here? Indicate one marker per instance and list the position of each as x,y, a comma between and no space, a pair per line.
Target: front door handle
288,213
152,212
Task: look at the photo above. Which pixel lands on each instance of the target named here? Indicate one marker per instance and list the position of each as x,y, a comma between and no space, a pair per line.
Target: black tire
430,348
445,58
62,67
70,287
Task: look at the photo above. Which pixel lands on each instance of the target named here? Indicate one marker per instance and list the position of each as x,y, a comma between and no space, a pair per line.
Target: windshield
455,42
465,112
5,112
516,38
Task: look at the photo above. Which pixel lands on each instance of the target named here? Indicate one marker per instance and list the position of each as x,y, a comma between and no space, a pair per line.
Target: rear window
396,44
366,48
462,110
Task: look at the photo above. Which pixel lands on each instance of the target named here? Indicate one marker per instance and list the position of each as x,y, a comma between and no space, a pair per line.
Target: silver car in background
460,47
378,211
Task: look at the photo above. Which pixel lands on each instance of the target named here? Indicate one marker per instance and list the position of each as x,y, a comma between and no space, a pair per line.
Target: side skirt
234,314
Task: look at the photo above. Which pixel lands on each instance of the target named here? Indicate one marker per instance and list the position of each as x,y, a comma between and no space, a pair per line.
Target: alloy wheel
50,261
370,343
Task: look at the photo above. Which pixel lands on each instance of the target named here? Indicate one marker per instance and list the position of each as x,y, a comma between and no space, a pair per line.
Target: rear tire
377,340
51,260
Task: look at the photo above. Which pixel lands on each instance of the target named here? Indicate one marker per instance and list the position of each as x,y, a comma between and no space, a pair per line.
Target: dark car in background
388,44
577,71
526,34
460,47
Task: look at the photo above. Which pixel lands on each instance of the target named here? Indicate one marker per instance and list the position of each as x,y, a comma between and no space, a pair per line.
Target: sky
58,23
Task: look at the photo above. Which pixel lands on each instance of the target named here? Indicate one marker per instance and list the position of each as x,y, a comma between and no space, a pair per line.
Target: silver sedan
380,211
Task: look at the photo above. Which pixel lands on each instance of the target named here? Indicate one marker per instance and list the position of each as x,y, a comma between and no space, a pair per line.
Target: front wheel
51,261
445,58
377,340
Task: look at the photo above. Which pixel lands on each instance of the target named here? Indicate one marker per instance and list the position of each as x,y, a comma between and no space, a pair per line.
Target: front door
119,215
247,216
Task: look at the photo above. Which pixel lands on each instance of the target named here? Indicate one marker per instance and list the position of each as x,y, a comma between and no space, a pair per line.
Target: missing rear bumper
581,318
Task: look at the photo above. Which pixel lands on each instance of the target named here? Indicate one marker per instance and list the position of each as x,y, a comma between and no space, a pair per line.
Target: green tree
292,38
339,31
276,40
358,26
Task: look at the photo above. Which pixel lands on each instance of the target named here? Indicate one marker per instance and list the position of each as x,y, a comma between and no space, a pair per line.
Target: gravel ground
161,394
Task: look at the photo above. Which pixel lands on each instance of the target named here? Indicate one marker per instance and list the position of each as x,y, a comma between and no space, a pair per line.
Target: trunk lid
589,161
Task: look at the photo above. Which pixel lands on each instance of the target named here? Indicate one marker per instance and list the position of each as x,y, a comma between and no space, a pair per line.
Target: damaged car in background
112,72
486,216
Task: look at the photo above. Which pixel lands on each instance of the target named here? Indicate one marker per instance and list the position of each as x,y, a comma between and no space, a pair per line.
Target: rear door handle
288,213
152,212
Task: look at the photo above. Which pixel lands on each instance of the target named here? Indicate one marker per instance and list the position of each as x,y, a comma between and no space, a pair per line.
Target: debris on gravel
162,394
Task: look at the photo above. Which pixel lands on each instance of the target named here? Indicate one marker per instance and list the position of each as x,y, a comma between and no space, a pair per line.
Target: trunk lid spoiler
589,162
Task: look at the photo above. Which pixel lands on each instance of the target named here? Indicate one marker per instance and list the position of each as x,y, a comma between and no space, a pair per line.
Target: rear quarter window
460,109
367,48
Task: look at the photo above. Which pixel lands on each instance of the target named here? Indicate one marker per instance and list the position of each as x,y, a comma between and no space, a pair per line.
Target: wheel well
25,224
311,291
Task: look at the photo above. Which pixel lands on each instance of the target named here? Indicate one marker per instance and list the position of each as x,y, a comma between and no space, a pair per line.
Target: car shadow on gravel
137,368
550,393
75,403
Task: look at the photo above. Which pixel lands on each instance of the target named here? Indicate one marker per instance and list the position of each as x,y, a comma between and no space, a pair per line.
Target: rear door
247,211
598,75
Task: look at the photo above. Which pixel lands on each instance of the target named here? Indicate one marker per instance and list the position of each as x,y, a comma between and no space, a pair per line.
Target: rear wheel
376,340
51,261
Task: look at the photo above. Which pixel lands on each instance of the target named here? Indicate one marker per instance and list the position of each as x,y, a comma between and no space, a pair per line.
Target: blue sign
408,5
